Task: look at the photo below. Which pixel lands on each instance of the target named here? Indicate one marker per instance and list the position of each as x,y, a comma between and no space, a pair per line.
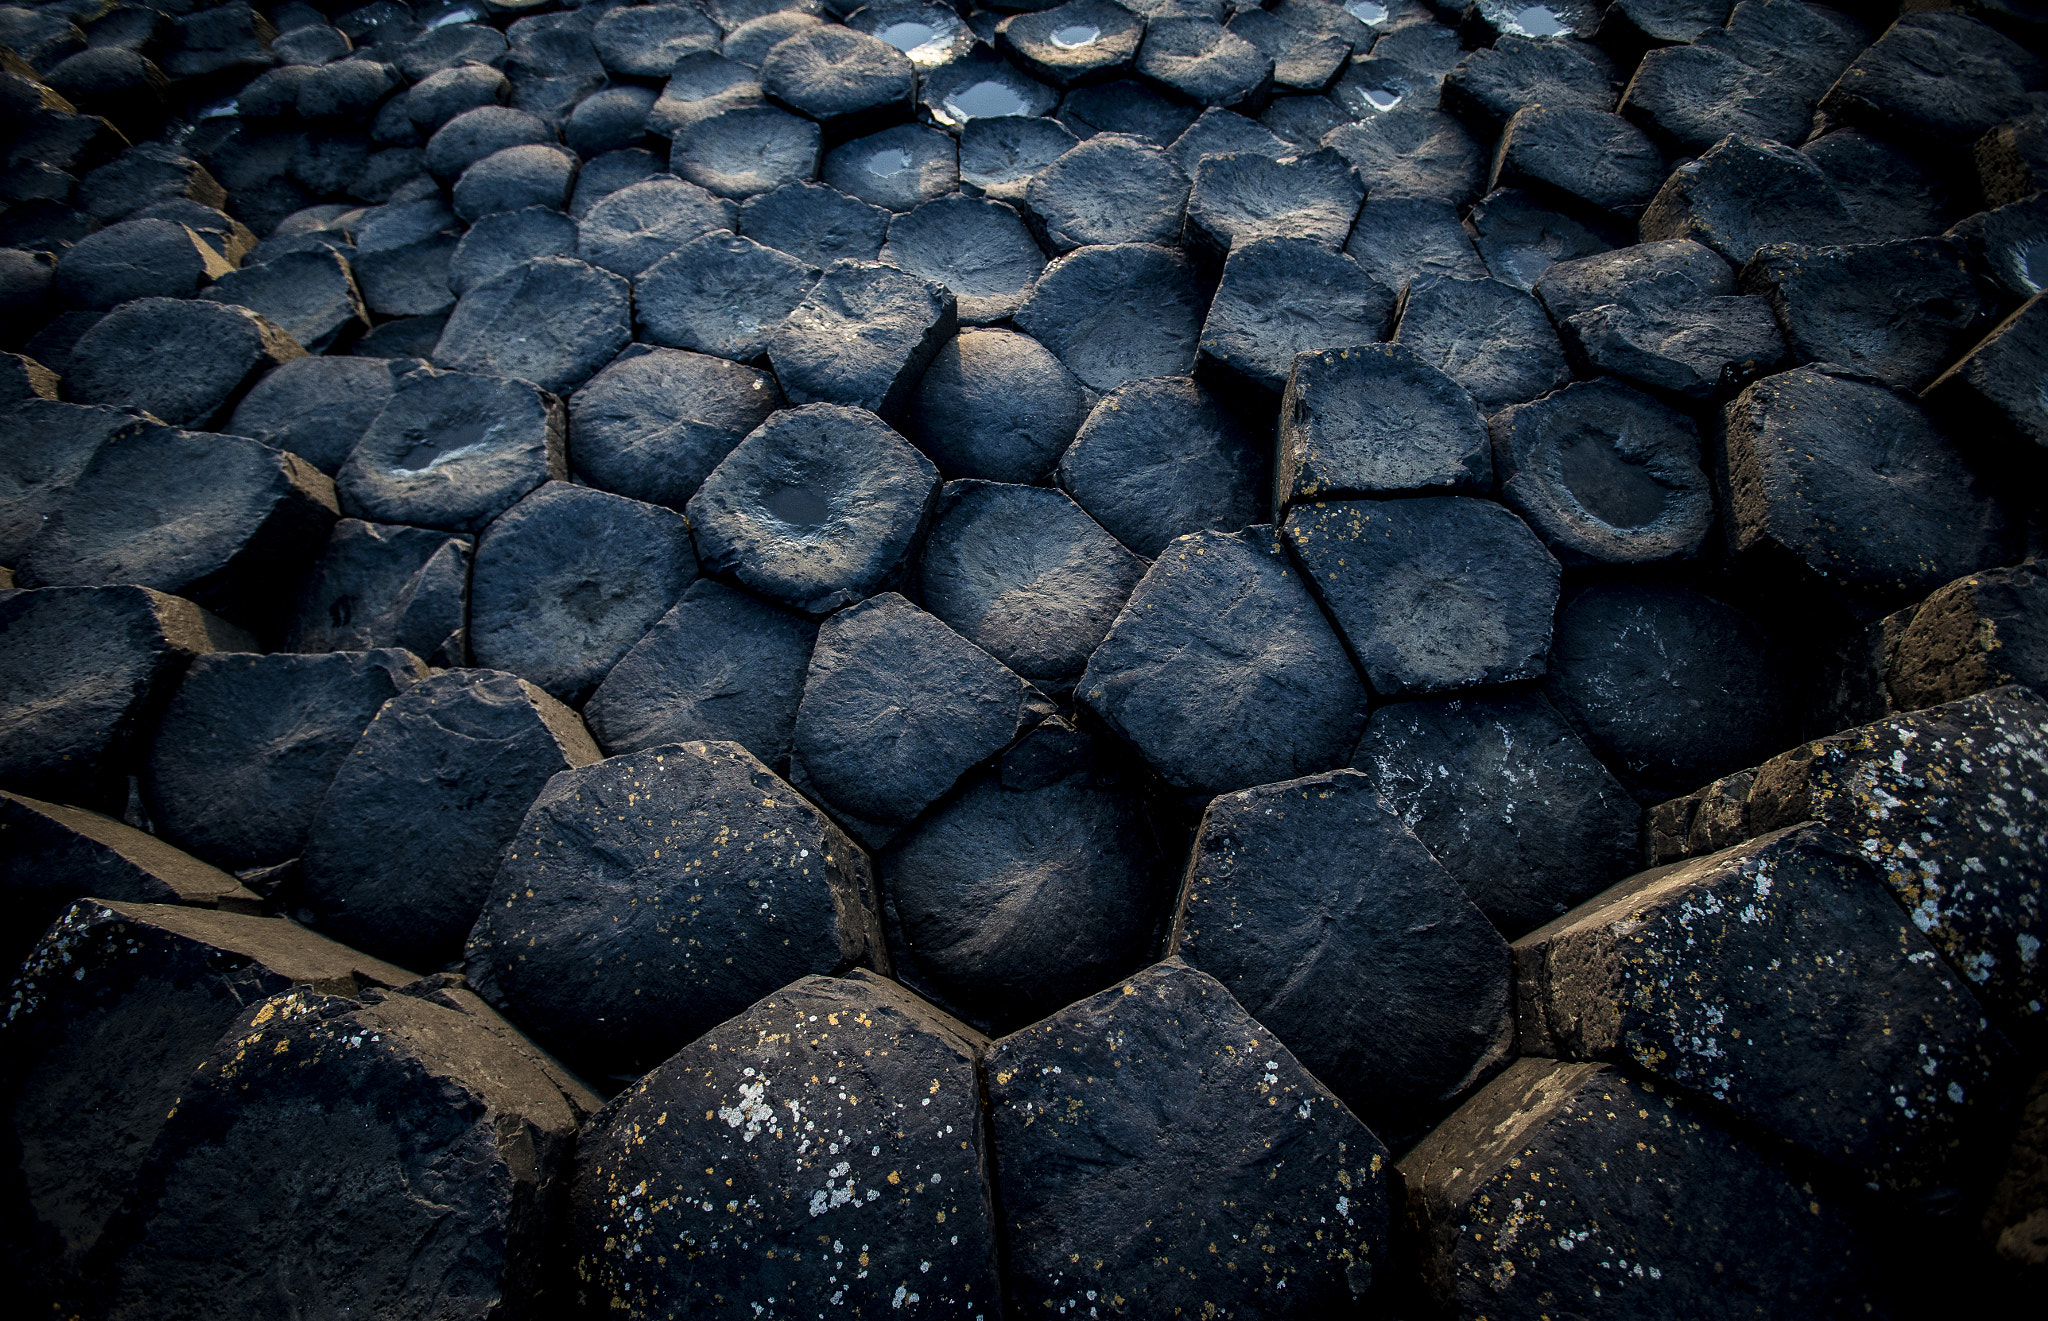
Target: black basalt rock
383,586
655,422
453,450
995,404
1375,419
1158,459
720,294
1486,335
1117,312
862,337
1283,296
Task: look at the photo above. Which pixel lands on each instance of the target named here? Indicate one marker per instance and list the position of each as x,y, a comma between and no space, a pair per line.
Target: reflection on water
424,449
889,162
1381,98
800,507
1075,35
1369,12
986,99
1535,21
907,36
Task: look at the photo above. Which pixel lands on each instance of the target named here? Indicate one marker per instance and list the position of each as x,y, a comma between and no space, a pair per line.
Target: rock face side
1138,1128
823,1148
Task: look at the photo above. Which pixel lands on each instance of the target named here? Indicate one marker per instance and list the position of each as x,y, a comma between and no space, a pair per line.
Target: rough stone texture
135,259
400,857
1852,485
1023,573
1939,80
979,249
1222,672
1492,83
815,223
44,447
1981,631
1486,335
1693,352
1159,459
898,168
1397,995
185,361
862,337
1759,75
1432,594
380,586
568,579
1410,238
896,708
1054,44
1625,1172
1891,193
1519,239
655,423
720,665
497,243
553,321
631,923
113,1010
1579,155
1202,60
1375,420
1096,1170
1117,312
1000,156
1247,195
819,508
318,408
1113,188
1284,296
1604,474
1412,152
720,294
2018,1210
1779,979
638,225
453,450
247,745
995,404
1667,273
1743,193
1898,312
876,1197
1507,798
1989,386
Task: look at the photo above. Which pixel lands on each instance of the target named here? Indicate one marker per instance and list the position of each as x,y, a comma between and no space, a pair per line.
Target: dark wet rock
2002,243
1507,799
2012,159
1219,132
646,41
629,925
1941,79
721,294
1760,76
552,64
453,450
1851,487
632,229
1243,196
23,378
1604,474
1270,693
1671,688
475,134
896,708
897,168
123,86
1283,296
1624,1171
1411,153
1493,82
611,120
216,228
655,423
536,174
95,1002
1200,59
1401,239
1693,351
1689,995
815,223
225,521
1000,155
1668,273
1424,976
1519,239
44,447
979,86
1113,188
497,243
327,162
311,296
402,258
85,671
601,176
25,279
401,855
247,745
979,249
1896,311
743,149
1023,573
1489,337
57,341
1116,313
1303,60
383,586
553,321
1037,884
1433,594
135,259
819,508
350,89
1992,383
2012,1219
876,1170
1375,419
1979,632
1125,106
1743,194
1082,41
1158,459
221,42
1302,122
1890,193
1078,1128
1592,158
719,665
568,579
862,337
1633,26
995,404
446,93
838,76
1373,85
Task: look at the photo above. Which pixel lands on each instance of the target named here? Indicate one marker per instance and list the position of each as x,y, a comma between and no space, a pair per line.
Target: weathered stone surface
1117,312
862,337
1778,978
1220,131
1890,192
874,1072
720,294
1125,106
655,422
1668,273
111,1014
1898,312
1493,82
1398,999
1283,296
1625,1172
317,408
995,404
1743,193
1486,335
553,321
638,225
1604,474
135,259
1989,386
1203,61
1095,1169
2018,1210
999,156
819,508
976,85
1400,239
1412,153
401,854
1113,188
1852,485
979,249
497,243
1247,195
384,586
631,922
898,168
815,223
1981,631
1159,459
44,447
839,76
383,1098
1759,75
1937,79
1576,154
247,745
896,708
453,450
1269,693
1055,43
1694,351
402,258
185,361
1519,239
1377,420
